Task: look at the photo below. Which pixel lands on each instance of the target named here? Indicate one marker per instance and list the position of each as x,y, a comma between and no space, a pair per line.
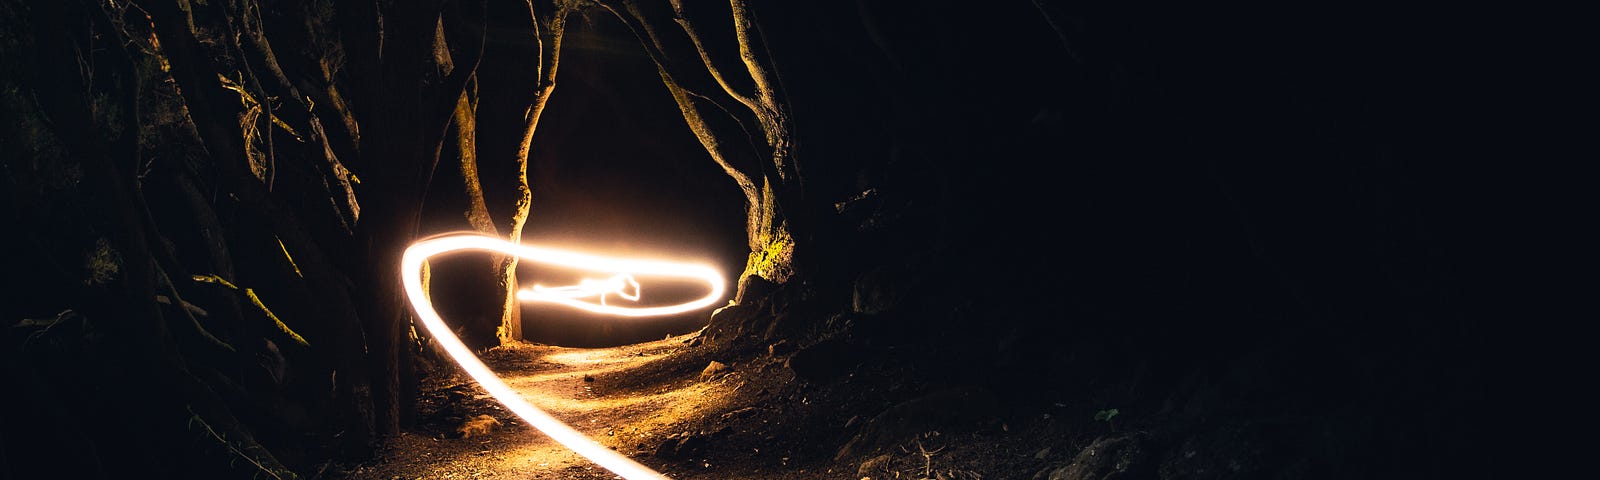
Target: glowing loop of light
588,287
623,271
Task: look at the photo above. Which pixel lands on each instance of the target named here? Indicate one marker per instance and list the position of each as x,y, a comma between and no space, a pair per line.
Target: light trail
586,288
622,269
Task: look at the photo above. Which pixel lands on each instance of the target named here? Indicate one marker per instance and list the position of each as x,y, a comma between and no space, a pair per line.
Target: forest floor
602,392
656,403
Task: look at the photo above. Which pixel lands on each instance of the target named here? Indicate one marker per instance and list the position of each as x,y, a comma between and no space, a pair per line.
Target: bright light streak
588,287
622,269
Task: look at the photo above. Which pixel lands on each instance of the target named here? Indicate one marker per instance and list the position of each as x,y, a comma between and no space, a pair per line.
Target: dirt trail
634,414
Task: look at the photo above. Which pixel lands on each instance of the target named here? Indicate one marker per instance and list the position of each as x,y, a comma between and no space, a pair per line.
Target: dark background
1314,240
1257,223
1292,201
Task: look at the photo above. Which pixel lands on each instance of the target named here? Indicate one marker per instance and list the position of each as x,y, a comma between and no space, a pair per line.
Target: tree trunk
405,130
752,138
517,71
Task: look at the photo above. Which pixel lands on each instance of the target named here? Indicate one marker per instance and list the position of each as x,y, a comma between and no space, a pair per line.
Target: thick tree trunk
83,115
410,112
389,226
521,80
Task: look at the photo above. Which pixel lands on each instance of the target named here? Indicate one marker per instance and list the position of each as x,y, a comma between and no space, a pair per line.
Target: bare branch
763,77
705,57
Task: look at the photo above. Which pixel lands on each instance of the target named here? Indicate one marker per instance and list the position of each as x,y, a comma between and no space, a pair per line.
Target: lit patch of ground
633,418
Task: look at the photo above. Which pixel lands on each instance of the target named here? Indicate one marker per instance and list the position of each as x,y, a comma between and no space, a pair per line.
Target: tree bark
492,139
735,105
410,111
88,121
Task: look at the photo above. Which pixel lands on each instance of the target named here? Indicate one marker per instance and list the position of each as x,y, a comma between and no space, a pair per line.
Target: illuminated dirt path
621,283
634,398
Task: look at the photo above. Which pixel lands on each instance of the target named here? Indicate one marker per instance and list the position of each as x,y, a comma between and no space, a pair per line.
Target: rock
754,289
679,446
712,370
733,320
727,317
477,426
738,414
